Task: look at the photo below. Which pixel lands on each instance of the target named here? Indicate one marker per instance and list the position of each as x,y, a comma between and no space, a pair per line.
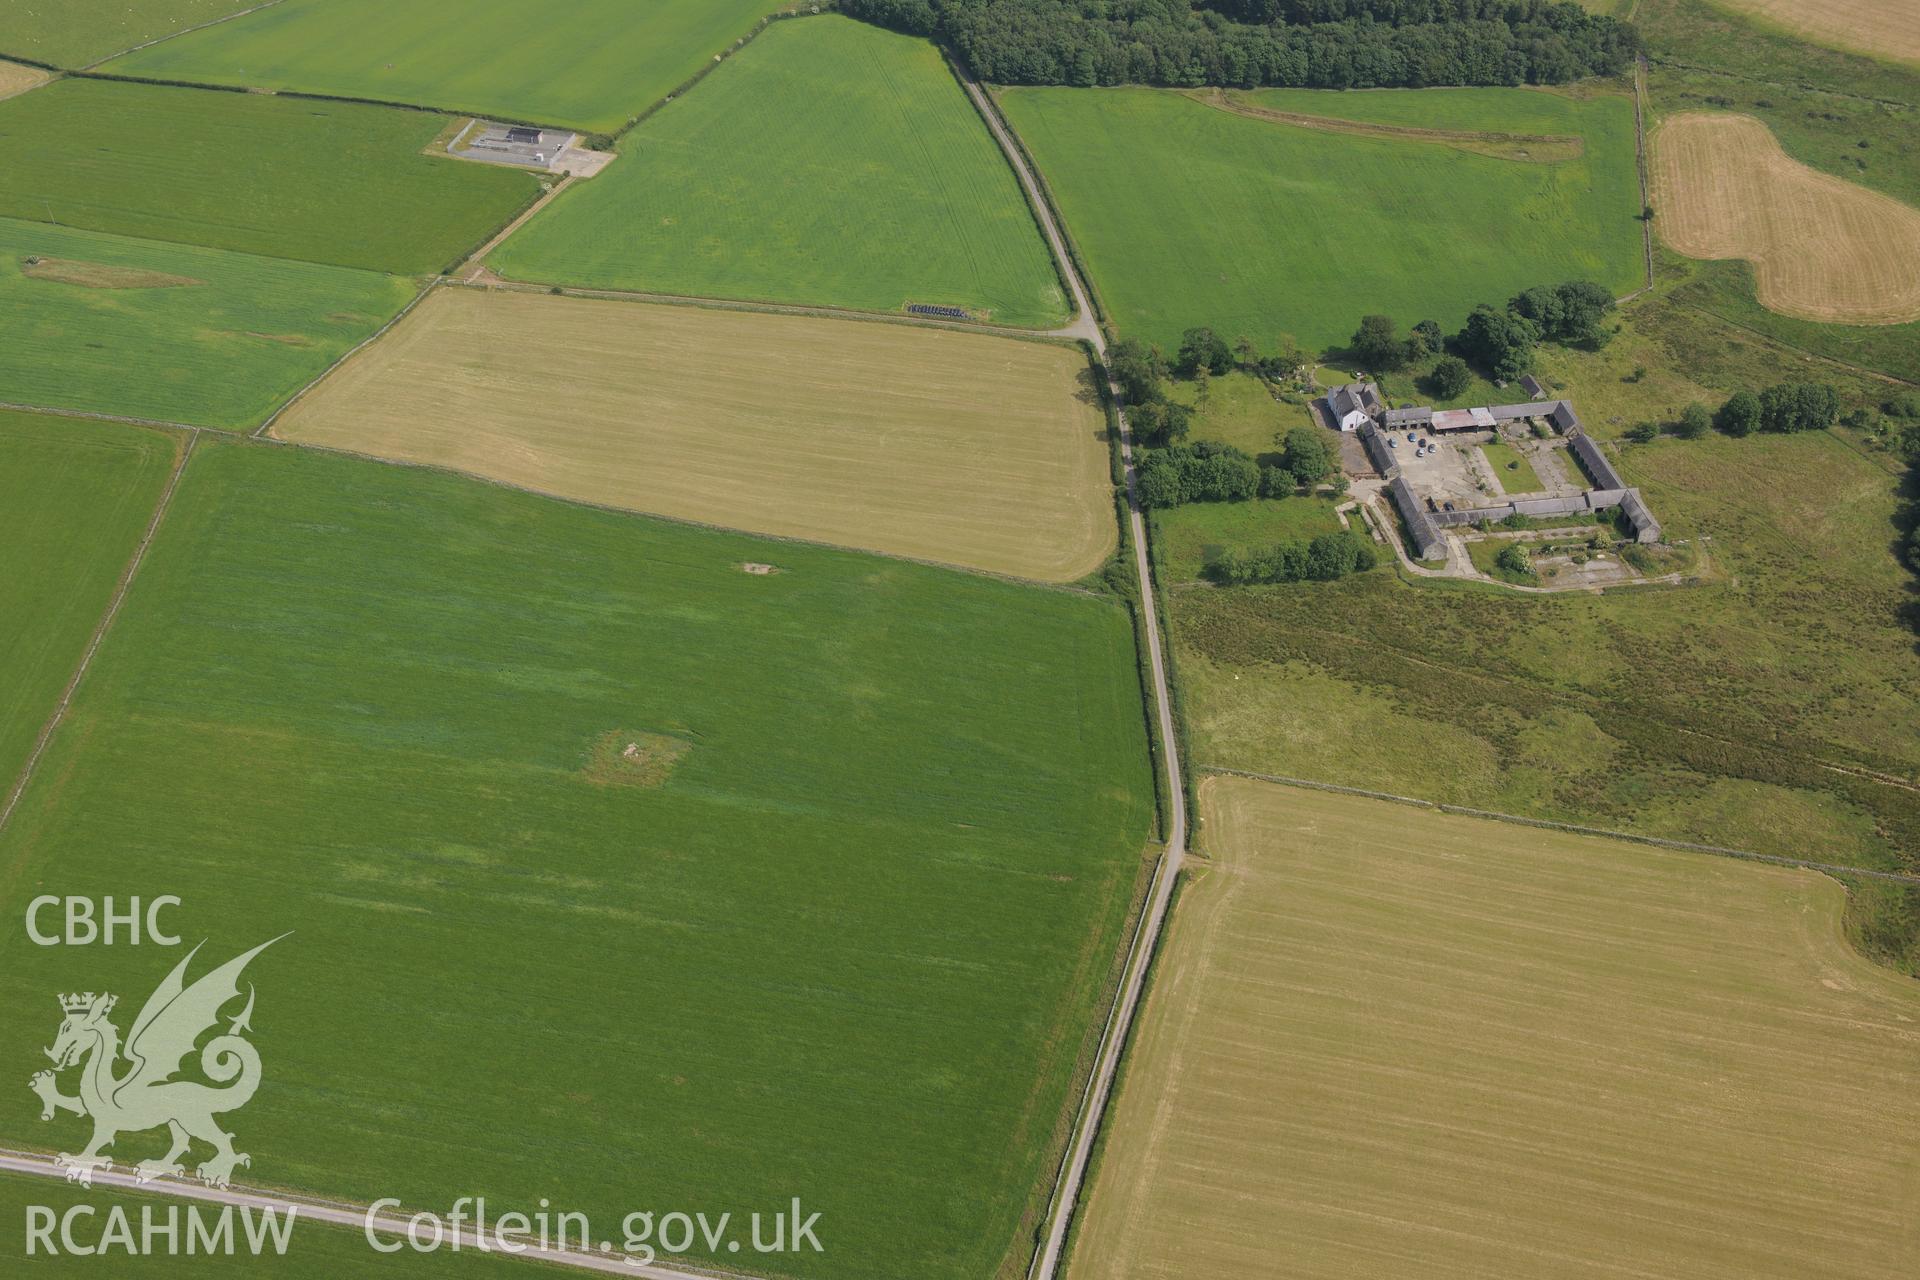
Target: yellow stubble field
1822,248
961,448
1386,1042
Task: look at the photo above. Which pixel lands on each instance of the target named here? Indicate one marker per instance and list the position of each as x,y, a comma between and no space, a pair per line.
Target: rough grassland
223,353
1822,248
75,33
1188,215
830,163
1708,713
851,950
1384,1042
330,182
75,497
591,64
316,1252
972,450
1881,28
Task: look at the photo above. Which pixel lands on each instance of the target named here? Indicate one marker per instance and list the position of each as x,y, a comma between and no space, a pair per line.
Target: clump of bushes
1783,407
1325,558
1200,472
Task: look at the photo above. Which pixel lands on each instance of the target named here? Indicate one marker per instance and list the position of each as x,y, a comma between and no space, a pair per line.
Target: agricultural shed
1595,461
1463,420
1427,539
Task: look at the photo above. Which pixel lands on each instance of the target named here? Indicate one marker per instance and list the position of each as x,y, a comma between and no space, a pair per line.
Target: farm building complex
1358,407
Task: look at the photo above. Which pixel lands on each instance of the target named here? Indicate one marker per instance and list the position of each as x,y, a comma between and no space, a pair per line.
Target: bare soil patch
98,275
757,569
1533,148
1822,248
954,447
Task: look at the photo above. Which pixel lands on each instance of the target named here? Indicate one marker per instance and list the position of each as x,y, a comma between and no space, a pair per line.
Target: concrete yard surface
1388,1042
971,450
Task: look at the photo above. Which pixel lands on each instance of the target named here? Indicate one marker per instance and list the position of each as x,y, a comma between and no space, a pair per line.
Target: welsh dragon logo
145,1095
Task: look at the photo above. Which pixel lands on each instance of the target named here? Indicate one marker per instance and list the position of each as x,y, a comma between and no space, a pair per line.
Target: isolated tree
1514,559
1137,367
1425,339
1377,343
1244,352
1644,432
1277,482
1499,341
1287,358
1159,485
1695,421
1305,454
1450,377
1202,348
1159,421
1740,415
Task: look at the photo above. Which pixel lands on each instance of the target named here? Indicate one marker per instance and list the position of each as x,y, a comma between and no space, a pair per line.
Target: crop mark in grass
621,758
1532,148
100,275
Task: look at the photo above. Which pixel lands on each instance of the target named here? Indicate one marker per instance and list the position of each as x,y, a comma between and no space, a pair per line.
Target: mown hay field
1822,248
1885,29
829,163
1189,215
1383,1041
76,33
330,182
851,947
972,450
16,78
590,65
75,498
1710,712
175,332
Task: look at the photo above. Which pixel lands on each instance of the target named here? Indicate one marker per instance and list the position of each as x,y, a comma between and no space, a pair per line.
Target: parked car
1412,436
1392,443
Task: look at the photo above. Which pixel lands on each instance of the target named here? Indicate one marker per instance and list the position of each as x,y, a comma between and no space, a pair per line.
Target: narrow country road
1073,1172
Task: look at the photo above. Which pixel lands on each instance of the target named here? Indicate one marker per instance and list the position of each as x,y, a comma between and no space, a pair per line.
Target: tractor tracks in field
105,624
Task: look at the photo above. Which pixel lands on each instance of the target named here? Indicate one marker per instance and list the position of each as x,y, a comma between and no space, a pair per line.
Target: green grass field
1240,411
1187,215
75,497
591,65
329,182
1187,538
74,33
830,162
174,332
850,948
